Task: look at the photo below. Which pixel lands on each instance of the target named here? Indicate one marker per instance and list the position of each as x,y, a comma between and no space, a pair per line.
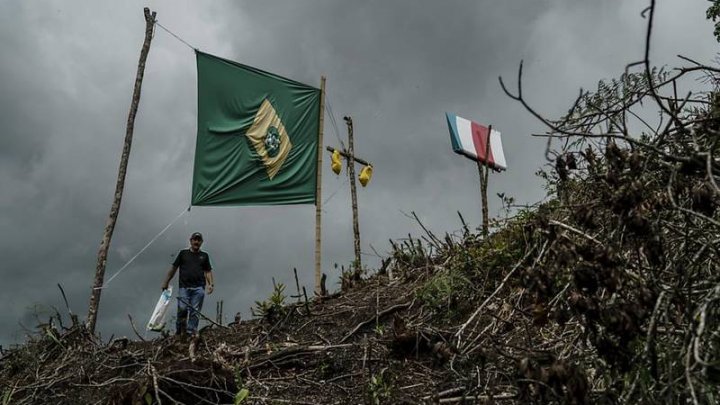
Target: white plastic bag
157,320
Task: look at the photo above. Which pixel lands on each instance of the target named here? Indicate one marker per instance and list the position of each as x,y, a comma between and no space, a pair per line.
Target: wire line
333,122
175,35
337,189
143,249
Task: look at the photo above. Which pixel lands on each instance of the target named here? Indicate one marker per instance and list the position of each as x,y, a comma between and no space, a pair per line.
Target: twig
463,399
281,401
445,393
297,284
340,377
435,241
190,308
134,328
577,231
307,305
65,299
155,382
688,377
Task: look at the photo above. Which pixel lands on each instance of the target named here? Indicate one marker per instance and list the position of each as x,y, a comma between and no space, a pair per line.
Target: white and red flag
475,141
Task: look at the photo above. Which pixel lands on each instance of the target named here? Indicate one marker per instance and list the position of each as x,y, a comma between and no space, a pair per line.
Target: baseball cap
196,235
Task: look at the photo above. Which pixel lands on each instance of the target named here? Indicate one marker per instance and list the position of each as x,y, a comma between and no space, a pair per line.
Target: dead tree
120,185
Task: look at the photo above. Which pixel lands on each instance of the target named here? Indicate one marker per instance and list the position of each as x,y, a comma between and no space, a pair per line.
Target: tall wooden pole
483,170
353,194
318,194
120,185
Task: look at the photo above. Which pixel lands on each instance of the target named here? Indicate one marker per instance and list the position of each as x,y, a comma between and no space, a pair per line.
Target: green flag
257,136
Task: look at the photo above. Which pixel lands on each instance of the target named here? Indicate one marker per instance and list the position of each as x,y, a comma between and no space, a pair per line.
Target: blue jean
190,302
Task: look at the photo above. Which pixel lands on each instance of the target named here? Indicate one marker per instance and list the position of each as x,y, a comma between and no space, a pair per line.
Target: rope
143,249
337,189
333,122
175,35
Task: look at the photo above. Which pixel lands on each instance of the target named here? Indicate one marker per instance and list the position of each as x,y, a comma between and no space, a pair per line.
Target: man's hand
168,277
209,289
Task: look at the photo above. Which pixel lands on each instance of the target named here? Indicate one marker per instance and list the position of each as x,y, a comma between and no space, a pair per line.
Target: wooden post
219,312
120,185
483,170
297,285
353,193
318,192
351,159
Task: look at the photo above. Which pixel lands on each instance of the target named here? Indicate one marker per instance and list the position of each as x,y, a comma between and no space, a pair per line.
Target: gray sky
66,78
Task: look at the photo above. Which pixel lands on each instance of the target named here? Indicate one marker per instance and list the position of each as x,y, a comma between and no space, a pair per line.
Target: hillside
381,340
607,292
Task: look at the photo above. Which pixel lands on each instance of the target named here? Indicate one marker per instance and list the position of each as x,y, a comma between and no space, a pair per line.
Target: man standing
195,277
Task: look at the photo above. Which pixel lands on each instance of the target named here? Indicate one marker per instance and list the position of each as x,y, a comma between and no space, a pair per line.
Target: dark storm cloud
66,77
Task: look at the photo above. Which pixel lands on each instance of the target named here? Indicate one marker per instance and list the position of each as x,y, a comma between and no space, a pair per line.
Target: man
195,279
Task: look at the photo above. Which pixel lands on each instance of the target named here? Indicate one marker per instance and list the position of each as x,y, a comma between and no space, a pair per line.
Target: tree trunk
110,224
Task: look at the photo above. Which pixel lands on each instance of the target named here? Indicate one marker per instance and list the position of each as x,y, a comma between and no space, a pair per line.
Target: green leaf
241,396
148,398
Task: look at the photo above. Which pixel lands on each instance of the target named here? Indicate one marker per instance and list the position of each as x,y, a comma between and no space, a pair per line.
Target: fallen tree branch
280,355
390,310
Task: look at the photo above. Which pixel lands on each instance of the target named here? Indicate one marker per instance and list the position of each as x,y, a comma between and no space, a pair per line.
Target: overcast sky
66,77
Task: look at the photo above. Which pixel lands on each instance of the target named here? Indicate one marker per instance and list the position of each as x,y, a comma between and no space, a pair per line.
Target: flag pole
484,170
122,171
318,193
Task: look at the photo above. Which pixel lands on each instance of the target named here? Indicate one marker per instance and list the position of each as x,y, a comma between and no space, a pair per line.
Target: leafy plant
713,13
410,253
272,308
379,387
441,293
469,268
